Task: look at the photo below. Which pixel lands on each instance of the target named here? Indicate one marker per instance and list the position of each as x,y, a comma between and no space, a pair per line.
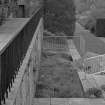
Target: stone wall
23,89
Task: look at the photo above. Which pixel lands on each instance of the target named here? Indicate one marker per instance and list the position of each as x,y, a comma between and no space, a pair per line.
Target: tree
59,16
82,5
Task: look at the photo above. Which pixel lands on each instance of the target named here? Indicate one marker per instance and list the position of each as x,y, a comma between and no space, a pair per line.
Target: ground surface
92,43
57,77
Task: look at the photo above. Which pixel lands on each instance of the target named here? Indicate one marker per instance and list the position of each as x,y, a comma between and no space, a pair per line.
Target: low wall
23,89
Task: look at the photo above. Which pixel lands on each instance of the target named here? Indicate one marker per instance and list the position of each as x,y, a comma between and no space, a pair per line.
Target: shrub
94,91
59,16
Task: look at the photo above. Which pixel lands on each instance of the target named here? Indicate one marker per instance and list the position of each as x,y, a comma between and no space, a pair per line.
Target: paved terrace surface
9,30
92,43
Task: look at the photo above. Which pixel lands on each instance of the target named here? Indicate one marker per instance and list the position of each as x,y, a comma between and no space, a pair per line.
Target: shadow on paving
57,77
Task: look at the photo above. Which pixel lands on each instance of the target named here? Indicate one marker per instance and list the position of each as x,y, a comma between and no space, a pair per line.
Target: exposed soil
57,77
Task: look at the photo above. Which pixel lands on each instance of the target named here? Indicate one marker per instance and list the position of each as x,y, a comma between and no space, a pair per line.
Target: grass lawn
57,77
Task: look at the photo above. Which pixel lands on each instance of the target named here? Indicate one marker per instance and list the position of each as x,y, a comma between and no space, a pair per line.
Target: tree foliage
59,16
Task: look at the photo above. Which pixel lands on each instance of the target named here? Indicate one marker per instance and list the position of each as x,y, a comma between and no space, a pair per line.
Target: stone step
67,101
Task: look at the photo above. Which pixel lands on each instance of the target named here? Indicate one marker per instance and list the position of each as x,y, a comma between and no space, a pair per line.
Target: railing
94,64
13,54
60,43
56,43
